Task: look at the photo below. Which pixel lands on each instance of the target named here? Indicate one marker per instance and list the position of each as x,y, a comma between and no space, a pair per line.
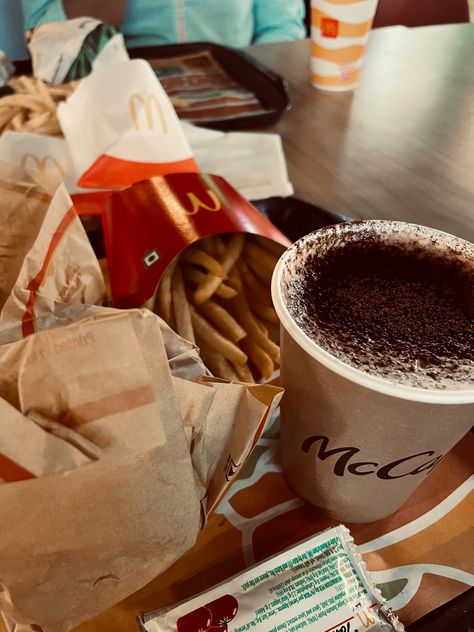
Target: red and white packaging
147,225
121,128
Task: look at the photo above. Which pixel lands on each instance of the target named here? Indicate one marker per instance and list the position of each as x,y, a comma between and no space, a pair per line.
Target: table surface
400,146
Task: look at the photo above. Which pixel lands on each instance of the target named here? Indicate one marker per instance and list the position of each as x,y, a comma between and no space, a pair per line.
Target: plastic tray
269,88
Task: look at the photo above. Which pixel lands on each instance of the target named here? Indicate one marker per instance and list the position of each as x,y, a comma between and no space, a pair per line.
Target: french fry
259,357
182,314
164,293
6,115
254,328
244,373
197,277
253,286
230,313
229,257
17,121
36,122
224,322
33,107
216,363
266,312
209,245
215,340
260,255
201,258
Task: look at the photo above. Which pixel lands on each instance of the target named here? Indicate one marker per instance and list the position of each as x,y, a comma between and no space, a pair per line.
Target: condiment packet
70,50
321,584
121,128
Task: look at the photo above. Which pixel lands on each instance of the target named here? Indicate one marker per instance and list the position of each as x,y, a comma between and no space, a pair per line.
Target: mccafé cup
339,34
353,443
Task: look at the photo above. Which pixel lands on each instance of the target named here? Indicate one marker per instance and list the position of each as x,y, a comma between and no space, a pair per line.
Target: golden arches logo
366,619
42,165
198,204
329,27
139,103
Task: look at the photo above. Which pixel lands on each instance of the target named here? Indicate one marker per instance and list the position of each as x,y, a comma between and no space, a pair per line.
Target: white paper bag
121,128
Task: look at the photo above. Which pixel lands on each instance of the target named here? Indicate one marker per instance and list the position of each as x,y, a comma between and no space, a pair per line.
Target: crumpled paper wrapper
113,483
115,443
45,256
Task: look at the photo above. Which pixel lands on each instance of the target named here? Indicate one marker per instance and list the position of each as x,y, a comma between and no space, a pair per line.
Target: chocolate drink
398,310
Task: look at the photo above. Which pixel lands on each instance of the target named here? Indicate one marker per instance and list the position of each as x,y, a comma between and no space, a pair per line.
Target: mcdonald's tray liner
320,584
115,442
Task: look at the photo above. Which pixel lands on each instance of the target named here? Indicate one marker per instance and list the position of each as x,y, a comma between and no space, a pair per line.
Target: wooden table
401,145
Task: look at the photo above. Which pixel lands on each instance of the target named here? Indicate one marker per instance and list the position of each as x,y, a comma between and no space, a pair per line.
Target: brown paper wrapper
123,464
45,256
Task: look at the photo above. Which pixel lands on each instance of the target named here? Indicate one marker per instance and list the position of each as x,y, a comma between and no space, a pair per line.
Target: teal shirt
231,22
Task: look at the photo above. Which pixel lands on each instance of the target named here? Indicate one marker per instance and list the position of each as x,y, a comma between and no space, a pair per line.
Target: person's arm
278,21
42,11
38,12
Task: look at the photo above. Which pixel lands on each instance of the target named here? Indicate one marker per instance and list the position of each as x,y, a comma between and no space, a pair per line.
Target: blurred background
11,19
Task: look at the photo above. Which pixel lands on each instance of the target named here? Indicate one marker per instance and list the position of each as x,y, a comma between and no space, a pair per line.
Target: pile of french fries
217,294
33,107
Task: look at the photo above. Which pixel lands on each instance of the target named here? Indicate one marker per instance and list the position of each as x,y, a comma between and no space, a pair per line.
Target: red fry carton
151,222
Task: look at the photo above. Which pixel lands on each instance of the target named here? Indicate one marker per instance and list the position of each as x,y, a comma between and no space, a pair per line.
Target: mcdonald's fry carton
121,128
147,225
339,34
192,249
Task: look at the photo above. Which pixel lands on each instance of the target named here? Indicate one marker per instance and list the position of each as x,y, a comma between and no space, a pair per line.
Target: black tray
270,88
296,218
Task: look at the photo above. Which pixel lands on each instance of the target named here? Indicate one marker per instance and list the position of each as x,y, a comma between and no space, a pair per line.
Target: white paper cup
353,443
339,34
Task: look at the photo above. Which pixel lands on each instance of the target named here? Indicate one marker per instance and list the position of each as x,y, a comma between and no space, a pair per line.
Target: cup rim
368,380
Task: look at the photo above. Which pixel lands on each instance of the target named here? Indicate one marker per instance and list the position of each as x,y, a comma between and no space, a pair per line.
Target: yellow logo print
197,203
138,103
366,619
48,164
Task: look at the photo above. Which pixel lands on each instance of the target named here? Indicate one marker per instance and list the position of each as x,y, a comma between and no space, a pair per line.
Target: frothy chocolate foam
400,311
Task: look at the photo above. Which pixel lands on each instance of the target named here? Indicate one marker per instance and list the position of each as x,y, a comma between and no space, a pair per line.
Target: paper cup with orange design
339,33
